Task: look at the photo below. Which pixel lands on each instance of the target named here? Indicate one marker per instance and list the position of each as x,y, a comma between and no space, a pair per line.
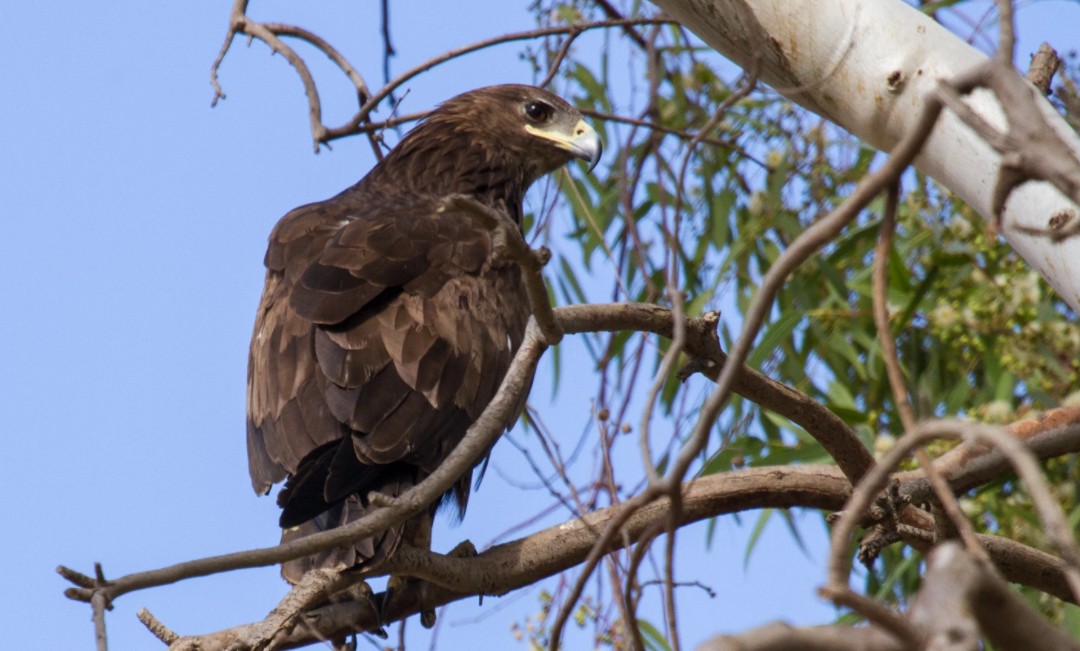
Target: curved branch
478,439
351,126
1044,435
1020,458
516,564
839,440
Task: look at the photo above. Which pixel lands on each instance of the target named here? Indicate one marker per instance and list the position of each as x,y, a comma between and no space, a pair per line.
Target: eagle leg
402,587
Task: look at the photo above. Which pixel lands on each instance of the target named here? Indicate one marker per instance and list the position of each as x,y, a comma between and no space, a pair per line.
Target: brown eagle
384,329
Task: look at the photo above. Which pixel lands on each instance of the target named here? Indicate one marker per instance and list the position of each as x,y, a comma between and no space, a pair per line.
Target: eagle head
491,142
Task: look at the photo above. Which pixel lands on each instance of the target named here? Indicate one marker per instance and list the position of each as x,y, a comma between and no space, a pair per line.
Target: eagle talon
427,617
362,592
383,606
395,588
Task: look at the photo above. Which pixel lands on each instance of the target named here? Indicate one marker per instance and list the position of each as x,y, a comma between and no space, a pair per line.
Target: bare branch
679,133
779,636
1044,65
100,604
516,564
479,438
842,444
159,630
353,124
240,24
837,439
957,586
1028,566
881,309
556,61
1022,460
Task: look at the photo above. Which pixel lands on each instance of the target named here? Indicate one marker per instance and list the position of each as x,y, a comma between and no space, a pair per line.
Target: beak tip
590,148
597,152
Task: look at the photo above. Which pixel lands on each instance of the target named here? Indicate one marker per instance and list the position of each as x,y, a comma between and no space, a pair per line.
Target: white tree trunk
866,65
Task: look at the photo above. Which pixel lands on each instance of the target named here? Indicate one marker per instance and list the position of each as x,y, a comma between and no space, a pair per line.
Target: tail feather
324,478
306,510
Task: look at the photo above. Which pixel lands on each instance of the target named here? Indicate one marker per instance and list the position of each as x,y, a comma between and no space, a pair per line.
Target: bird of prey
385,326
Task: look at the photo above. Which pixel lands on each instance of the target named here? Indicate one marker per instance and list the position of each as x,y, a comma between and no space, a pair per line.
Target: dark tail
329,490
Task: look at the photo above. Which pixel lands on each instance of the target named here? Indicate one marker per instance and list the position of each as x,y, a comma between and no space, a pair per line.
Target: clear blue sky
134,222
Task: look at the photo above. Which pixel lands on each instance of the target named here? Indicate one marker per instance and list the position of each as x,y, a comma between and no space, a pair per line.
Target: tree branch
516,564
478,439
839,440
353,124
1049,435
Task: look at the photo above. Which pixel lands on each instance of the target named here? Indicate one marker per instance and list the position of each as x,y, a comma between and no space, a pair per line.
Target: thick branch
839,440
509,566
954,579
974,463
959,602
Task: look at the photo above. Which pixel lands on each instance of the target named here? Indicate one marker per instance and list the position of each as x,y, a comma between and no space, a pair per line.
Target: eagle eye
538,111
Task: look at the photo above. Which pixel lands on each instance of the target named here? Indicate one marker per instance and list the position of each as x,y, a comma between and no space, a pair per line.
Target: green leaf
776,333
755,534
654,639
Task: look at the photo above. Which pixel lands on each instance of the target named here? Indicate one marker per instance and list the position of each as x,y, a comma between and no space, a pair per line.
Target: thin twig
679,133
99,602
663,376
880,273
236,23
154,625
350,127
1023,462
362,92
564,49
956,520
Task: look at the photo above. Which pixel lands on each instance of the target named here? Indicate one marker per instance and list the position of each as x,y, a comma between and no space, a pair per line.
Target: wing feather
386,326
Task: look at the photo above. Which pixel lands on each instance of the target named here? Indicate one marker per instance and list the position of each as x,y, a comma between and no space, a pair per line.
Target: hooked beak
583,142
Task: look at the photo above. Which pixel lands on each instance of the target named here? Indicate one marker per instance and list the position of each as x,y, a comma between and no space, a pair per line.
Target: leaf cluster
694,218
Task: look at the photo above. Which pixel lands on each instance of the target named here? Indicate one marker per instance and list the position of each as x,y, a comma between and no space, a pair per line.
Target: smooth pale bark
867,65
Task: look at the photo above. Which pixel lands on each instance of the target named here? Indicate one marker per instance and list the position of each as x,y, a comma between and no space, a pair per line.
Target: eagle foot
410,590
361,592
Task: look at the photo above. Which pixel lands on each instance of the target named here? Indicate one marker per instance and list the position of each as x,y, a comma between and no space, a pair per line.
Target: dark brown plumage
384,329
